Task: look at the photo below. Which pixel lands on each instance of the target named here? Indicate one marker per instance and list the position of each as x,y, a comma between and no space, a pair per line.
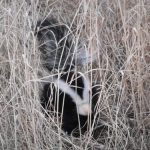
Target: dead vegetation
118,32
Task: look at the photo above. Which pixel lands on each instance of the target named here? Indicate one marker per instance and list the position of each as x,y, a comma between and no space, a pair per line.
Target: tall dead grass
118,32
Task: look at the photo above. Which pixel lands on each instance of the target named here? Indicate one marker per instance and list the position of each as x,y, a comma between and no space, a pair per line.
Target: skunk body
75,108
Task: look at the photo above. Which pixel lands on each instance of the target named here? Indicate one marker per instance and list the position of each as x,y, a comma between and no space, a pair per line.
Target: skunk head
77,86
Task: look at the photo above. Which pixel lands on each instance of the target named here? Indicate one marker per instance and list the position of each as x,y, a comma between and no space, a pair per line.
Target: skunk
71,96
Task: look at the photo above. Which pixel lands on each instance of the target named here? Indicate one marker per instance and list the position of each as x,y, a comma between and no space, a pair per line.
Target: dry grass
118,31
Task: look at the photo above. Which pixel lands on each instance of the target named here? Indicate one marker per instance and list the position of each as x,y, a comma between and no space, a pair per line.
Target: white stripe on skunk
83,105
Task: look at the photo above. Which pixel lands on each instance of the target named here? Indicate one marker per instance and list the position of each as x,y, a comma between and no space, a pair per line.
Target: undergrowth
118,32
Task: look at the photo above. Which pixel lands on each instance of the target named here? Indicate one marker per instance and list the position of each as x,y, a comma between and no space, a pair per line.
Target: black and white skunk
70,94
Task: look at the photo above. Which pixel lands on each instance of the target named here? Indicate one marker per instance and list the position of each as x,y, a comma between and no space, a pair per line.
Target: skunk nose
84,109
